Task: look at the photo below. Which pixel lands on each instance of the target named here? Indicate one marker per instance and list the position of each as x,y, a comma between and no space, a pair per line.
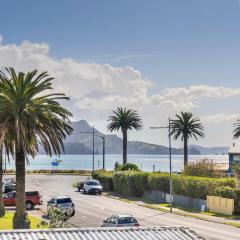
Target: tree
236,170
236,131
30,114
2,207
124,119
184,127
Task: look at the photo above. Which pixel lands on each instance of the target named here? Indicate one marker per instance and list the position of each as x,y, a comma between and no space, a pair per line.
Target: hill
81,143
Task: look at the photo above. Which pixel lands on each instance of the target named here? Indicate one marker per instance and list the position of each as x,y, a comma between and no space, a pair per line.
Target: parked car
92,186
121,221
8,186
63,203
9,180
33,198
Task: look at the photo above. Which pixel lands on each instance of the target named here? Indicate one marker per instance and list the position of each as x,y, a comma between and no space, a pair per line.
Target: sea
85,162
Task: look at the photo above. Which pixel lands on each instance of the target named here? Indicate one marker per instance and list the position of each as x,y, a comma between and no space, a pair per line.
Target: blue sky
172,43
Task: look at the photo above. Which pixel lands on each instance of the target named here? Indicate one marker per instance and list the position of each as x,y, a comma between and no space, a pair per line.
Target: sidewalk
206,216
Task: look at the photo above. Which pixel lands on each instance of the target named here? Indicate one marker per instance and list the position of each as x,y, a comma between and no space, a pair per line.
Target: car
8,186
92,186
124,220
63,203
33,198
9,180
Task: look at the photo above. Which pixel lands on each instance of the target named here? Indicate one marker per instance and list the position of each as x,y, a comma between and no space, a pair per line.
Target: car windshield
127,220
64,200
93,183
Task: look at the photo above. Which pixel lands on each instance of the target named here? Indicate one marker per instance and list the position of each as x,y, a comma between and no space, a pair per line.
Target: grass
234,217
233,224
6,222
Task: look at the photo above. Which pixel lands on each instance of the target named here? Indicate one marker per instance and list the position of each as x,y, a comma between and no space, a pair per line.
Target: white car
124,220
92,186
64,203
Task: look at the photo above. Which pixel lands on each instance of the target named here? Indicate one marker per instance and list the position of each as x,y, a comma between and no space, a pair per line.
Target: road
91,210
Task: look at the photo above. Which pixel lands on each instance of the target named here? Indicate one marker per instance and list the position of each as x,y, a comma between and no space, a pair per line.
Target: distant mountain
211,150
80,142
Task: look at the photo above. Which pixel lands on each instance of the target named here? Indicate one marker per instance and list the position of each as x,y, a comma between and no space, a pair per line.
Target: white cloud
96,89
221,118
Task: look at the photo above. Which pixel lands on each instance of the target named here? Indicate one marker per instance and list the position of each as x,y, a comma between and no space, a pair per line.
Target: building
234,156
141,233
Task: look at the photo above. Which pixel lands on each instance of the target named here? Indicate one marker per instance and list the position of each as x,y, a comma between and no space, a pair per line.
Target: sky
158,57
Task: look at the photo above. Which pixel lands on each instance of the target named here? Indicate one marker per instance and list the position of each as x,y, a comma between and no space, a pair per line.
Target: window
93,183
10,195
64,200
31,193
127,220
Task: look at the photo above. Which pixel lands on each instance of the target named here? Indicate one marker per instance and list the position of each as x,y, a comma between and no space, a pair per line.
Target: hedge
105,178
198,187
134,183
130,183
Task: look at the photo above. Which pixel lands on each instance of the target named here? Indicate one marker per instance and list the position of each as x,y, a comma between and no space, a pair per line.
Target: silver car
63,203
92,186
124,220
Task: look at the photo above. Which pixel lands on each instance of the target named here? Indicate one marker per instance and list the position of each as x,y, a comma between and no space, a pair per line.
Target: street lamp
93,150
170,159
103,150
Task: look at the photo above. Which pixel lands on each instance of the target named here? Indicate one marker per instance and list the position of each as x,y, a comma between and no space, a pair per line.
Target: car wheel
100,193
29,205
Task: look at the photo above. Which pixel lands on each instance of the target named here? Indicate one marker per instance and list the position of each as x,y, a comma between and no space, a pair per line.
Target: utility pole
93,148
103,150
170,160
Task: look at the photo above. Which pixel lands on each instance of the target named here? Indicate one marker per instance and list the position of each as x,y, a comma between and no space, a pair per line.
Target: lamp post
103,150
93,148
170,159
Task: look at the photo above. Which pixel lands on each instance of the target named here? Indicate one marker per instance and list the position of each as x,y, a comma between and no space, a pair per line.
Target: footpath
206,216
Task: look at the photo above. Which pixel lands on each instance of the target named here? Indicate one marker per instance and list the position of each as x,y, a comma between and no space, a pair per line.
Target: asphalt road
91,210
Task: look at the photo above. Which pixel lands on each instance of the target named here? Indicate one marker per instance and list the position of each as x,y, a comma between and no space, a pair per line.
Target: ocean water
145,162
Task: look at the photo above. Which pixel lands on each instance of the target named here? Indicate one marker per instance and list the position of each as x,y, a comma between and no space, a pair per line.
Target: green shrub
134,183
125,167
229,192
203,168
105,178
192,186
158,181
130,183
198,187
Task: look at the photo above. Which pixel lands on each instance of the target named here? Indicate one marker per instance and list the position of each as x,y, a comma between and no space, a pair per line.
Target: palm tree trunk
185,143
124,131
2,208
20,220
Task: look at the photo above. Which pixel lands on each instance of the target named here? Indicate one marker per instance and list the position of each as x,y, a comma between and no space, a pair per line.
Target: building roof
142,233
234,149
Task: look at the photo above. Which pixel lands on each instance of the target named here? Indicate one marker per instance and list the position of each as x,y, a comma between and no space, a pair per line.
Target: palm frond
186,125
28,117
123,118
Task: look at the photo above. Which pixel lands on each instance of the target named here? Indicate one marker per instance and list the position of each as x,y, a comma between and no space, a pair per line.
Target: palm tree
236,131
2,208
30,114
184,127
124,119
